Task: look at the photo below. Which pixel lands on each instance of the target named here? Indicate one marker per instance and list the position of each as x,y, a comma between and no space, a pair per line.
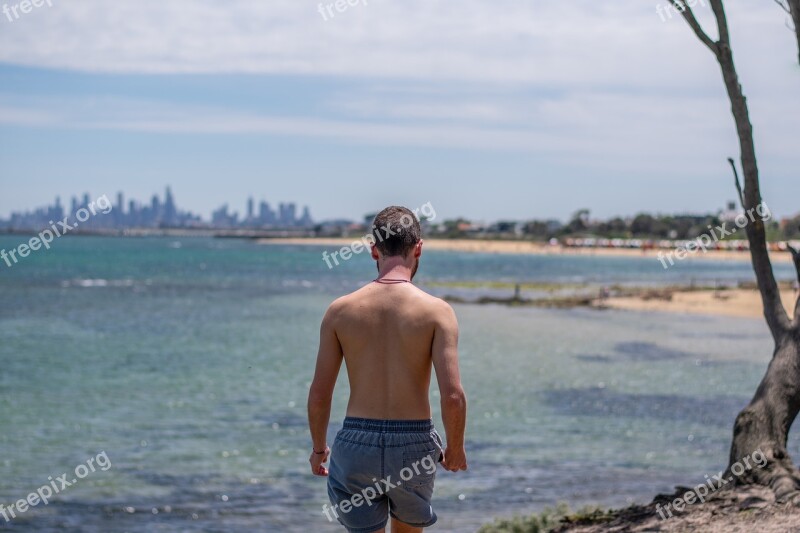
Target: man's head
396,233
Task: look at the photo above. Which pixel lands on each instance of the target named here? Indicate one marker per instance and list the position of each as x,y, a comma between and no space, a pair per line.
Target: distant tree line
641,226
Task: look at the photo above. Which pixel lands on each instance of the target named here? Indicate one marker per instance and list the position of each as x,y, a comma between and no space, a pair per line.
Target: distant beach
744,303
532,247
732,301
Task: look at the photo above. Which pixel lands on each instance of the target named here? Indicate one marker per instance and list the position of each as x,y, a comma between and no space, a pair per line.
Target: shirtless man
389,334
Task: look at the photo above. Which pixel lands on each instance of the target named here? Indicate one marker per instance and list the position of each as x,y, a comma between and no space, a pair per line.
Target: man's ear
418,249
373,250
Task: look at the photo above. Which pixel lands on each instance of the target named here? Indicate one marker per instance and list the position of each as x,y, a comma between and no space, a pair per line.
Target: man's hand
455,459
317,459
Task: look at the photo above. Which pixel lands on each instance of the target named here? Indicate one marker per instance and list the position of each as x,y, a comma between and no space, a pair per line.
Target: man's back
387,332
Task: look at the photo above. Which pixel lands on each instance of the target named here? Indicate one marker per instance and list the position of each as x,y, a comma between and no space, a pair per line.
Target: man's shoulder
435,305
339,304
422,302
343,303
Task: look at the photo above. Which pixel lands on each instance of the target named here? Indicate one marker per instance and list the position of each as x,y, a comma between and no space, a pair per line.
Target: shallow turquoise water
187,361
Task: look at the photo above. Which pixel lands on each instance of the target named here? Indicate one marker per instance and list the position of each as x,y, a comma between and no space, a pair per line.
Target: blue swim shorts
380,468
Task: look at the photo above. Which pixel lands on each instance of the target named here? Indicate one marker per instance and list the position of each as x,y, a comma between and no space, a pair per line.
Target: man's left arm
320,394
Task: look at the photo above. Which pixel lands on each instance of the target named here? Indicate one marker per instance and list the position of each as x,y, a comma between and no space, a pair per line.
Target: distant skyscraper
282,214
170,215
250,209
58,210
305,220
291,214
221,219
266,216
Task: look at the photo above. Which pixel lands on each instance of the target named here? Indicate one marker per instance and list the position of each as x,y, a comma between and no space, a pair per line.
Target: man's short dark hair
396,231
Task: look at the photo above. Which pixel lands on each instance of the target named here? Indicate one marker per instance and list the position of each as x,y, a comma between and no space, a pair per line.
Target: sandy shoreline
531,248
734,302
743,303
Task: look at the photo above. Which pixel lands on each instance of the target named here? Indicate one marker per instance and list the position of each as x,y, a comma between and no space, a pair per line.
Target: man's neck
394,270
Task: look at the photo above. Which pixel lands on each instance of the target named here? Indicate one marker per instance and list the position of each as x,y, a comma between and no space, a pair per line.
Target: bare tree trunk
764,424
792,8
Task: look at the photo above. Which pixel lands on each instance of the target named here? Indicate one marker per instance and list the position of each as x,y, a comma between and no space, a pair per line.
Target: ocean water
187,362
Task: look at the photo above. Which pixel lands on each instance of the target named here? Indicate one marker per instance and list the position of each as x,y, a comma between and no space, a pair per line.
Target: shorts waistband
388,426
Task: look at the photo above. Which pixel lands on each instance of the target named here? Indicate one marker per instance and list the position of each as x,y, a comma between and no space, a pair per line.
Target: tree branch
783,6
722,22
736,180
792,7
774,312
794,11
685,10
796,258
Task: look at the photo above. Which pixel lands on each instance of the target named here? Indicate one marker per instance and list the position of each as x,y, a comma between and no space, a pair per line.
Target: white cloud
538,41
606,83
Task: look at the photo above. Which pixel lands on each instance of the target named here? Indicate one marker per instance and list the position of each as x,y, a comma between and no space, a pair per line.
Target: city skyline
156,213
162,214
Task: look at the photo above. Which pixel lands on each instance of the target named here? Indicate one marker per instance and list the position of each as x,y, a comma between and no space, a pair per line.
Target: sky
508,109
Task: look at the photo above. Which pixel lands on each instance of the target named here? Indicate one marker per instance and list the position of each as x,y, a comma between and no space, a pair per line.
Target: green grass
547,520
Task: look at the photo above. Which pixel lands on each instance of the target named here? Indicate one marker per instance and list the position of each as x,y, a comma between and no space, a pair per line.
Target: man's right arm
453,398
320,394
